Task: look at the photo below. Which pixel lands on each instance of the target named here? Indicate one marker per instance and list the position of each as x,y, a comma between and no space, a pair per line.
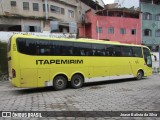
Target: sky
108,1
126,3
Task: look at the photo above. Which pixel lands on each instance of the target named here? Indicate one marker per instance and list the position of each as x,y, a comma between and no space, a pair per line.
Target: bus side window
96,53
82,52
26,46
41,51
107,51
115,51
88,52
70,51
76,51
103,52
137,52
110,51
56,47
126,51
99,49
52,50
82,49
43,47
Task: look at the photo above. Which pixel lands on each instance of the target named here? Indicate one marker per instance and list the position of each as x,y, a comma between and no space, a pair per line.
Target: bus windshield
147,57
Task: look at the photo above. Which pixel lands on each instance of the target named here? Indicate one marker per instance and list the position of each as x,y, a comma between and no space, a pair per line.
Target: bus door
136,59
147,62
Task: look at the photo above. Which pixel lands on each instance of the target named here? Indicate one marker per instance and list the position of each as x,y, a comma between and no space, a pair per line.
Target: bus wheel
59,83
77,81
139,75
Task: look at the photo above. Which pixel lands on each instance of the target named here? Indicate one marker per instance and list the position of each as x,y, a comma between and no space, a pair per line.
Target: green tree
3,57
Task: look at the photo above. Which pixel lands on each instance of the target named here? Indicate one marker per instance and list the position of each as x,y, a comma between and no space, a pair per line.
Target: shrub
3,57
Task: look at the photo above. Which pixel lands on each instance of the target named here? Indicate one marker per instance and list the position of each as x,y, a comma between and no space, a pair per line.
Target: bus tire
59,83
77,81
139,75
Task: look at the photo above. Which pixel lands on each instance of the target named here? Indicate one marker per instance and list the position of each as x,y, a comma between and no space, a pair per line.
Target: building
151,23
150,19
113,24
52,16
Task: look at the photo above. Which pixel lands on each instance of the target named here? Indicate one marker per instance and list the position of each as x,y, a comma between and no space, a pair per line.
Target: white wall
4,36
156,64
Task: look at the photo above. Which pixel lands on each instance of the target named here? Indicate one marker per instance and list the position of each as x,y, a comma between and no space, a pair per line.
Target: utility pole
159,58
46,9
98,29
1,2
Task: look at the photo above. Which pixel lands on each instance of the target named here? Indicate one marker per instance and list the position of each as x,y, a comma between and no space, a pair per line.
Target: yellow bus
38,61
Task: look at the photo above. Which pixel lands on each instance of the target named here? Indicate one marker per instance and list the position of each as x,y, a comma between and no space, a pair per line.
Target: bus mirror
155,57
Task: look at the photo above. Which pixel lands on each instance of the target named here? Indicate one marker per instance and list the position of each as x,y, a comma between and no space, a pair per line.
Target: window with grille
111,30
158,17
35,7
122,31
13,3
71,13
99,29
25,5
147,32
158,33
147,16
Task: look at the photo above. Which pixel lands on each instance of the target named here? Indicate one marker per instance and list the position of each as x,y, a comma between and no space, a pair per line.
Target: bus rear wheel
59,83
77,81
139,75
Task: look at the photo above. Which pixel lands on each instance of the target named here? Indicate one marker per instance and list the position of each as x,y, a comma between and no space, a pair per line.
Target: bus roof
86,40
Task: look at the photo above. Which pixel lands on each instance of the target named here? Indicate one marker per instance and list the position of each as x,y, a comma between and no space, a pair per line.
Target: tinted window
137,51
82,49
43,47
58,48
65,48
99,50
126,51
26,46
115,50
